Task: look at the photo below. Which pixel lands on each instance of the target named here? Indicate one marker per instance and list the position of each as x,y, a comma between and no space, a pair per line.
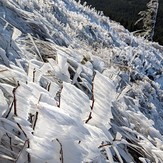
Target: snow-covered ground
76,87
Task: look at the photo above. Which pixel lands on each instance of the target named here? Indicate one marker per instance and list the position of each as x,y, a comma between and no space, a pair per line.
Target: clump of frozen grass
76,87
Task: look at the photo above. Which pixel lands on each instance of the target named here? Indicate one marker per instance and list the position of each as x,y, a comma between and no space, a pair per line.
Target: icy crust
76,87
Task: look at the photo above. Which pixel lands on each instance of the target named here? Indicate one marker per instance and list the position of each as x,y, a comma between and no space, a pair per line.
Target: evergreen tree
148,18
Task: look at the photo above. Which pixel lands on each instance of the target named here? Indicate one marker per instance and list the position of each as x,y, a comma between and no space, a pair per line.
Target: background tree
148,18
126,12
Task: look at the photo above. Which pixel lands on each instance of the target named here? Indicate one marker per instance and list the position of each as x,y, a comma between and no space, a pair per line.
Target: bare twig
93,100
61,151
21,151
22,130
104,145
14,102
14,93
36,117
59,96
59,100
34,73
89,117
48,87
28,155
10,109
10,142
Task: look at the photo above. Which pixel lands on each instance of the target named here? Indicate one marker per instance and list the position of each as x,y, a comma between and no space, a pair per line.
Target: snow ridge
76,86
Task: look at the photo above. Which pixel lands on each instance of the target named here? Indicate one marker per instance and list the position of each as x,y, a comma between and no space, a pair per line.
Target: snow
3,104
76,86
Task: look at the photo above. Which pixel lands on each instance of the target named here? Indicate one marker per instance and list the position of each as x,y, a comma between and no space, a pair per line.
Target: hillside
126,12
76,87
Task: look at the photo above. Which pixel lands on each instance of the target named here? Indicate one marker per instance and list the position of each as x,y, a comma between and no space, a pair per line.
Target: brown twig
21,151
28,155
93,100
48,87
22,130
89,117
59,100
104,145
36,117
61,151
14,102
59,96
34,73
10,109
10,141
14,93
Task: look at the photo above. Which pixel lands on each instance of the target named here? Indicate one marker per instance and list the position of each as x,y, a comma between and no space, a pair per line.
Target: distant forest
126,12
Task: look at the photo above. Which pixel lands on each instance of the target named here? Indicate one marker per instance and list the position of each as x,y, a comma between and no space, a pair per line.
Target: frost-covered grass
76,86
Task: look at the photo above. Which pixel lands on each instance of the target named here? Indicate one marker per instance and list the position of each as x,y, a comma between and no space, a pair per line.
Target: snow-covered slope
76,87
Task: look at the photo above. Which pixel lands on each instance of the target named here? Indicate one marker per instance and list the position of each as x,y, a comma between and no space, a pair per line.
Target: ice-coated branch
10,141
14,93
22,130
148,18
48,86
59,96
104,145
13,104
36,117
93,100
27,140
61,151
34,73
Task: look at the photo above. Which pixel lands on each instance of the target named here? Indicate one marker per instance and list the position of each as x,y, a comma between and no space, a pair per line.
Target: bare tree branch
61,151
14,102
93,100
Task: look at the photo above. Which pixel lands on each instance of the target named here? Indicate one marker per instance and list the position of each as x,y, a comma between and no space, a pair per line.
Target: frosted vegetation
148,18
76,87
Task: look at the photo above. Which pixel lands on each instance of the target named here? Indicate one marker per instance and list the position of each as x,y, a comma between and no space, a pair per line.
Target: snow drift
76,86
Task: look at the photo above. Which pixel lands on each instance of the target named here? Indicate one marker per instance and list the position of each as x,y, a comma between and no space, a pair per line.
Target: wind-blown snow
76,86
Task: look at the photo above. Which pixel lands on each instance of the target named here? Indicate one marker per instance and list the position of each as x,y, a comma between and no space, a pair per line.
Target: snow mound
76,86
